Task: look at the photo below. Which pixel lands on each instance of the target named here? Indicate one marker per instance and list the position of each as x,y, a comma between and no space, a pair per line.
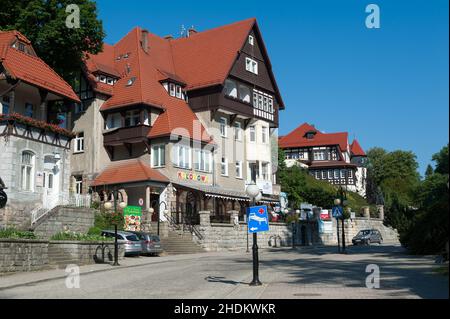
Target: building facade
179,125
35,104
327,156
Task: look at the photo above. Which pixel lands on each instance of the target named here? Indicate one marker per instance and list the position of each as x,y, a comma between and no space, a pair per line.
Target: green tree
43,22
442,160
429,171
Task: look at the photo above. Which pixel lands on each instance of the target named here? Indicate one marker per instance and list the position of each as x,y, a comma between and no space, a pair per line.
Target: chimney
191,31
144,40
168,37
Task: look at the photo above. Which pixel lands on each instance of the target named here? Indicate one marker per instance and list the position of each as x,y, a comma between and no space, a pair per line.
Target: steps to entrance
179,243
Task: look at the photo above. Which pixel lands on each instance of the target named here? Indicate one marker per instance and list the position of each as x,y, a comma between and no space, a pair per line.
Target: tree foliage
301,187
393,180
43,22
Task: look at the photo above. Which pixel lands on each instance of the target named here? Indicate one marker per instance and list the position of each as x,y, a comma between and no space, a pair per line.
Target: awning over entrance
128,171
220,192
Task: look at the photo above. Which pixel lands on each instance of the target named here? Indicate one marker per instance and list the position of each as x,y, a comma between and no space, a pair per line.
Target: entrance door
50,199
192,217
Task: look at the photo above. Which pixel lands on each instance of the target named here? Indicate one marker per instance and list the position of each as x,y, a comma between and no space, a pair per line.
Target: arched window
230,88
27,171
244,93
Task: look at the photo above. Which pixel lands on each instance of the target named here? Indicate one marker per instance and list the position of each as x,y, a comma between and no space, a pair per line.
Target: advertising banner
132,216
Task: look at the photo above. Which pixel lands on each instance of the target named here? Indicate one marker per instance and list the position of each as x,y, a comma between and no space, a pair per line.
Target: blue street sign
257,219
337,212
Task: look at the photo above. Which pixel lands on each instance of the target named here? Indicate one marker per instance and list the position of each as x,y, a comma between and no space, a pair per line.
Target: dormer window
310,135
110,81
172,89
21,47
102,78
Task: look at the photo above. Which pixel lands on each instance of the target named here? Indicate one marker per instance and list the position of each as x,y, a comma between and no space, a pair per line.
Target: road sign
337,212
257,219
141,202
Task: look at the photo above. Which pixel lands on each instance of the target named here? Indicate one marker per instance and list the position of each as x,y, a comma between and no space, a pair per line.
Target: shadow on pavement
323,266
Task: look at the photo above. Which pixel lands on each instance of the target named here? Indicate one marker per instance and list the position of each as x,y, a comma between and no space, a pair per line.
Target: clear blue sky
388,86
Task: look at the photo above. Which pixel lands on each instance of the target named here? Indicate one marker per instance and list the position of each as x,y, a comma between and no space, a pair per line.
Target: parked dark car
131,242
151,244
367,237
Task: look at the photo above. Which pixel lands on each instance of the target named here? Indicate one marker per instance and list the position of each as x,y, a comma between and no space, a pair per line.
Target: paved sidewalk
12,280
285,273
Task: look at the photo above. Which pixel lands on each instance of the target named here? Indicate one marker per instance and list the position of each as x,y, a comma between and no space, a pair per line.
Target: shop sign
324,214
193,177
132,216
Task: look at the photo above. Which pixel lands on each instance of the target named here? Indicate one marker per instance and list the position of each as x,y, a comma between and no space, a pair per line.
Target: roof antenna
183,30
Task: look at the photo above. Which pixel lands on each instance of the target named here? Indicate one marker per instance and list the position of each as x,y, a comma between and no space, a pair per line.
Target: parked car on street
151,244
130,241
367,236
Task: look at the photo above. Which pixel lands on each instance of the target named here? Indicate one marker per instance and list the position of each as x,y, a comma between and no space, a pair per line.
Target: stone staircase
180,242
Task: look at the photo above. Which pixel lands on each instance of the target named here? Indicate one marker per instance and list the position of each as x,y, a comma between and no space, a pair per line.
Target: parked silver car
151,244
130,241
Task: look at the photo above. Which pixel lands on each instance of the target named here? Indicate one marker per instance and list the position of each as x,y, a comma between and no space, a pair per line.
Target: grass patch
12,233
72,236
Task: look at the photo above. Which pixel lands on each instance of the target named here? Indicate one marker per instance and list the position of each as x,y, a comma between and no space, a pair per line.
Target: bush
94,231
106,220
16,234
78,237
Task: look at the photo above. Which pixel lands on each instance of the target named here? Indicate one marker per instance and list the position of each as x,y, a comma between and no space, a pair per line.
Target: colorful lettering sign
132,216
193,177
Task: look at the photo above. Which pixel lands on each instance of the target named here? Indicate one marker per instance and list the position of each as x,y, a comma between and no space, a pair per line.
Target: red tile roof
356,149
128,171
203,59
31,69
206,58
297,138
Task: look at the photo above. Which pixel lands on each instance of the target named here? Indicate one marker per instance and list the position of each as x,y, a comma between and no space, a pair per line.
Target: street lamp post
254,193
152,210
108,206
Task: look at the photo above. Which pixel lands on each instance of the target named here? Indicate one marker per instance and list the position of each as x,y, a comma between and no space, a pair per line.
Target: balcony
126,135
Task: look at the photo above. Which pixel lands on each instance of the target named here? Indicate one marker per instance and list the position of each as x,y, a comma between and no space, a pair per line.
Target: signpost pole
338,236
116,244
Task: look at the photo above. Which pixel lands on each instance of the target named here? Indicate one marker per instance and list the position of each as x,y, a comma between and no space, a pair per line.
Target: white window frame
251,65
172,89
237,131
265,171
223,122
183,161
178,91
203,160
224,166
158,155
27,172
252,129
342,173
251,40
102,78
239,173
264,135
79,143
78,185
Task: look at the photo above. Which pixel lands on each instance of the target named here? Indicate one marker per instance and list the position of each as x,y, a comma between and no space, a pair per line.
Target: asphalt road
285,273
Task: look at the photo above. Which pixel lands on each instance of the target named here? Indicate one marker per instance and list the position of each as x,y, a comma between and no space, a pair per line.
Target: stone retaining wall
32,255
23,255
75,219
232,236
